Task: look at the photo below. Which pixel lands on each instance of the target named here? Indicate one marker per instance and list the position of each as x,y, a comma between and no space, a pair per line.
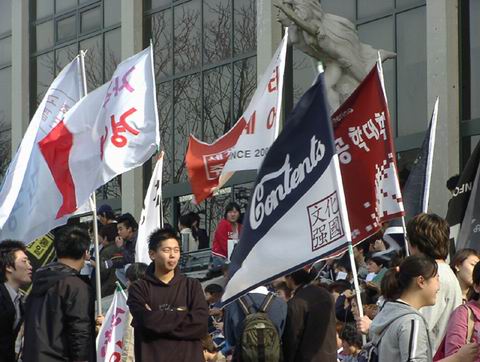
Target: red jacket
223,232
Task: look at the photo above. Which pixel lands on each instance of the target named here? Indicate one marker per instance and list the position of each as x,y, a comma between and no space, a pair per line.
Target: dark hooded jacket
59,317
178,319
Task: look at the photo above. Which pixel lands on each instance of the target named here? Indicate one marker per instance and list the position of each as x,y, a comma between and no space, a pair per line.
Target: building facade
208,56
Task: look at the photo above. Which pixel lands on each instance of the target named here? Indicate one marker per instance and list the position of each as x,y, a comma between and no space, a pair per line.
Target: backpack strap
470,324
244,305
266,303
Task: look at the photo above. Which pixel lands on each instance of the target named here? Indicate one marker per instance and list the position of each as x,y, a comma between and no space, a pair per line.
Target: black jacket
59,317
309,334
7,320
171,331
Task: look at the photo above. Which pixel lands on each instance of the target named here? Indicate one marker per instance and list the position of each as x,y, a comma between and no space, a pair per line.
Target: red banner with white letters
364,144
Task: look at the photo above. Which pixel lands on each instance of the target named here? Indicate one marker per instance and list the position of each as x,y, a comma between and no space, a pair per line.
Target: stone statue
334,41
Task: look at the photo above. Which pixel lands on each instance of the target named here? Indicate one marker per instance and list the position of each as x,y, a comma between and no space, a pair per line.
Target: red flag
205,161
364,145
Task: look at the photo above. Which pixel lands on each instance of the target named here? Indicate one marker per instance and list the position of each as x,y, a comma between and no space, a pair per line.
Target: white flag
110,336
110,131
152,215
262,116
20,205
297,213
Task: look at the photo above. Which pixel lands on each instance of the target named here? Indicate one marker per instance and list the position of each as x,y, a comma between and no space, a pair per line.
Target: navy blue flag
297,212
417,188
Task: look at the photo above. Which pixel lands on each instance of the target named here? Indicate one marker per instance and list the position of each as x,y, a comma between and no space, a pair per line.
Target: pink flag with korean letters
110,337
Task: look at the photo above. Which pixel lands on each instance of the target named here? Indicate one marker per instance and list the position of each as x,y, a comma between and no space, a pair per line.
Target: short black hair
159,235
8,248
232,206
350,335
194,216
71,242
108,232
452,182
128,220
186,220
136,271
301,277
213,288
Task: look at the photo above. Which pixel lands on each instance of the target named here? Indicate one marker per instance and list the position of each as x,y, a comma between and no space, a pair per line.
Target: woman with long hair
228,228
462,265
464,323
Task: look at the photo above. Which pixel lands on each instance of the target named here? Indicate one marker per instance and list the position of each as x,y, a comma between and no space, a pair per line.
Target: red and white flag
110,337
110,131
244,147
21,206
364,144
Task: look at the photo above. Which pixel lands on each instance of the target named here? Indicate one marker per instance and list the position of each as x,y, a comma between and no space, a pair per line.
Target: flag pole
407,250
93,206
344,215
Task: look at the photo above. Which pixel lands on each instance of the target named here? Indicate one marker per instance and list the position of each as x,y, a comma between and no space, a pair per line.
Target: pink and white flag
21,206
110,337
110,131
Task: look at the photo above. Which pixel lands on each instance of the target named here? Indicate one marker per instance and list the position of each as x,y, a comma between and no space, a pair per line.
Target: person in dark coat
170,314
108,253
127,228
15,272
309,334
59,314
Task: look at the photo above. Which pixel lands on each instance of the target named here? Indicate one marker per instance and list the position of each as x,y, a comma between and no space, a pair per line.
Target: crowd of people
413,308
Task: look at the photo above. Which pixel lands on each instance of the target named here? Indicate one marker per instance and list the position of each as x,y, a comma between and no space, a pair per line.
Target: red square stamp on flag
325,221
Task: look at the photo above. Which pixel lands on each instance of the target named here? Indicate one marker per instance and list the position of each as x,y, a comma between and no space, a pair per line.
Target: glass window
475,57
63,56
245,83
188,115
345,8
245,26
412,71
165,111
91,20
217,30
5,16
380,35
154,4
217,102
64,5
66,28
373,7
44,36
113,51
6,51
160,31
44,8
405,3
187,32
5,99
112,12
93,61
45,68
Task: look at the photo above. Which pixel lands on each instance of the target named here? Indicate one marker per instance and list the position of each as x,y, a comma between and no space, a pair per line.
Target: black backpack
259,341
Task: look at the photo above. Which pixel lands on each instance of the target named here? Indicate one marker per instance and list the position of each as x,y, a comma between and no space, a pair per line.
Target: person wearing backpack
310,331
257,316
